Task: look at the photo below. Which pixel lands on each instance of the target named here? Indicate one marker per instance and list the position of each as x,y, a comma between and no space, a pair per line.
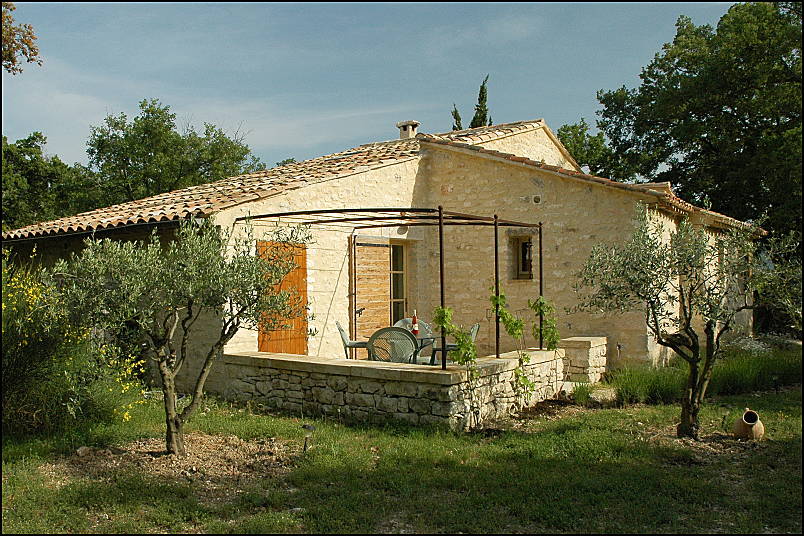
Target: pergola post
541,290
496,288
441,278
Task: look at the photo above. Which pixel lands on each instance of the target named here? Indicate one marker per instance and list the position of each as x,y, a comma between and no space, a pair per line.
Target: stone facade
376,392
576,215
539,145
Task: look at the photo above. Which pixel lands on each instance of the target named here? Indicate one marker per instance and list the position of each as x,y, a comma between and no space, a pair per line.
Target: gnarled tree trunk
689,425
174,436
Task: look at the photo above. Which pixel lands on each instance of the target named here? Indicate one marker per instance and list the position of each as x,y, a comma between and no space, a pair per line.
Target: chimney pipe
407,129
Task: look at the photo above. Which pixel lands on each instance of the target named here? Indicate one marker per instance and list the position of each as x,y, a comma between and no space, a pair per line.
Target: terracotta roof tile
481,134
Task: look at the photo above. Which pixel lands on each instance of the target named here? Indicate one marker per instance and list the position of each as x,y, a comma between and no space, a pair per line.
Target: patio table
423,340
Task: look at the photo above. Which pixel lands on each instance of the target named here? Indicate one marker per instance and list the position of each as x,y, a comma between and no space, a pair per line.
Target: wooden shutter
372,279
294,339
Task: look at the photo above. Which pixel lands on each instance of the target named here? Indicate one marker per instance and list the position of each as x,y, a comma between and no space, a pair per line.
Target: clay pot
749,426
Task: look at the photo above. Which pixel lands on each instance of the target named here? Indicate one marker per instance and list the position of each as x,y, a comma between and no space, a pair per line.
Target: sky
303,80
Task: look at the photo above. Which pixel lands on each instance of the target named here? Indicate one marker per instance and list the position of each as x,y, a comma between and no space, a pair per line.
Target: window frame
519,243
404,298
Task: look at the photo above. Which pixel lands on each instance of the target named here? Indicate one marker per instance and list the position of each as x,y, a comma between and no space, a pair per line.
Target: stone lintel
522,231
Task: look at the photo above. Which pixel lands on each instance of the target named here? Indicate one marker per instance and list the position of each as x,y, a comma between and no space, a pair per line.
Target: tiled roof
661,191
481,134
205,199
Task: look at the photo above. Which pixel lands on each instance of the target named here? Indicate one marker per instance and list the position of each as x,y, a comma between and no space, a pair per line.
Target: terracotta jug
749,426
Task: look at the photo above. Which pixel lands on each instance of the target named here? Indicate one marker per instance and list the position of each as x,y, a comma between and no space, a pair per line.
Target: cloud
62,103
269,125
439,43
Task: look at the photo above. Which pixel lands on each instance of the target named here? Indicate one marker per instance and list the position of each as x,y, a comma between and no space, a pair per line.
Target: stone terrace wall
376,392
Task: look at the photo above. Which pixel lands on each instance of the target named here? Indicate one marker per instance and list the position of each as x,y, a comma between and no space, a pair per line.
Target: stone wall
376,392
576,215
537,144
328,254
584,358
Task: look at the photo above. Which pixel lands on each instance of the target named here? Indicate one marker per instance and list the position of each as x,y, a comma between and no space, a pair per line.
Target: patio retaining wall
376,392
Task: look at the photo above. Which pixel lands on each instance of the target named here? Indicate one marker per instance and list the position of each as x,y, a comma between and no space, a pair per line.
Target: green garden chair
349,343
397,345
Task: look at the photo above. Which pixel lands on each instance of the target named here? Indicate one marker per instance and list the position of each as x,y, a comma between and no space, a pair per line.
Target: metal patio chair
425,336
393,344
452,346
349,343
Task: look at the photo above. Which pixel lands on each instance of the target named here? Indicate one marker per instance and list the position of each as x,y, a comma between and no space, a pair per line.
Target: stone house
368,279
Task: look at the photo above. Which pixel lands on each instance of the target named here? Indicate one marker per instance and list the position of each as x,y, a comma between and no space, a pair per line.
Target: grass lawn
559,469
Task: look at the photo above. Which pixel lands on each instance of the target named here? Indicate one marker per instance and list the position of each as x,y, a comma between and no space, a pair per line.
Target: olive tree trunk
174,436
697,382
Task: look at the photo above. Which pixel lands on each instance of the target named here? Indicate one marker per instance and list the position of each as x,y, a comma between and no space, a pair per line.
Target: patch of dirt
394,526
548,410
215,466
709,448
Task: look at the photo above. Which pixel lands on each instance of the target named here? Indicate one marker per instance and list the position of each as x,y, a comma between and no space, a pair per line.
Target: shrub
743,367
582,394
54,374
743,370
648,385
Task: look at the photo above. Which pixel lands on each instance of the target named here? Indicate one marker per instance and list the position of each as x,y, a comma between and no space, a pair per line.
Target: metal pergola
371,218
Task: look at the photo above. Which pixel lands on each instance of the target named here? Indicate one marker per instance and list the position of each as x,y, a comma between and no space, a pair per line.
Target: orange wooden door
292,340
372,279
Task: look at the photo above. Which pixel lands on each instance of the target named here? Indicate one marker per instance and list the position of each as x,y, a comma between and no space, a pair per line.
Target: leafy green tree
161,291
689,277
593,153
286,161
18,42
718,114
148,155
38,187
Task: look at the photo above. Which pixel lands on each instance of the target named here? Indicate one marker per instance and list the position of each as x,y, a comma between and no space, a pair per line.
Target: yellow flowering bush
56,373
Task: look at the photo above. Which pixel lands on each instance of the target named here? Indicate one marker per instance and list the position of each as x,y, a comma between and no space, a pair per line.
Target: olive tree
160,290
691,285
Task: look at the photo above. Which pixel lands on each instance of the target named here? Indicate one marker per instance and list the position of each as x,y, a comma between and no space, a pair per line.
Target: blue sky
302,80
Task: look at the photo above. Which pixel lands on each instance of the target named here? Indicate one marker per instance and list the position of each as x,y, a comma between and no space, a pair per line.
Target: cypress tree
482,117
481,110
456,117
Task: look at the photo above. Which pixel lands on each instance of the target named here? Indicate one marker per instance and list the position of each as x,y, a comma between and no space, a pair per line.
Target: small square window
524,257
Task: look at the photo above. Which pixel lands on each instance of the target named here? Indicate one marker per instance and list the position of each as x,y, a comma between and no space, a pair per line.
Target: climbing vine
515,327
548,331
465,354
